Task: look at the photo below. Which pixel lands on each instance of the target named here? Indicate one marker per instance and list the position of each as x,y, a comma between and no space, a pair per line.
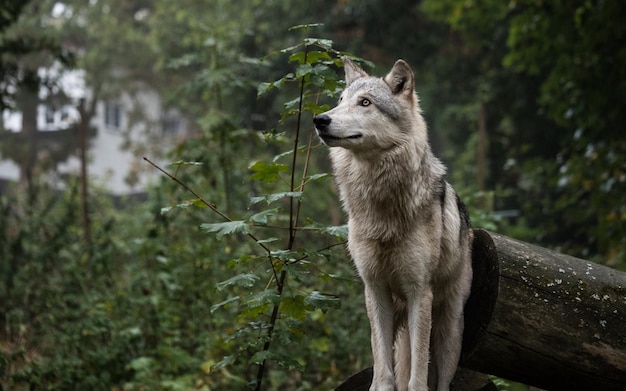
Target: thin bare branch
211,206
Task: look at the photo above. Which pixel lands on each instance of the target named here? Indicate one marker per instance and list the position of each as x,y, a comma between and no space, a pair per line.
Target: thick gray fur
409,236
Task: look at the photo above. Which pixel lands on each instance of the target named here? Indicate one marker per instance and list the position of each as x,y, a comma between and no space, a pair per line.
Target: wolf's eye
365,102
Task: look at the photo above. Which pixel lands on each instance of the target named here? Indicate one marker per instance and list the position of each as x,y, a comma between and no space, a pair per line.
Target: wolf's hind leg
402,359
447,341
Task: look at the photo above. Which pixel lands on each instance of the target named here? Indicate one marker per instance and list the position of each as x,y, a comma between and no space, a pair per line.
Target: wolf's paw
383,385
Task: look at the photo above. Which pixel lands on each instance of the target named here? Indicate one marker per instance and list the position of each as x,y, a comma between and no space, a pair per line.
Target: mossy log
540,318
544,318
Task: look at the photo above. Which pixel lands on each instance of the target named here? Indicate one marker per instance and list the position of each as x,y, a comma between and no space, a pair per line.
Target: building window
112,115
171,125
49,115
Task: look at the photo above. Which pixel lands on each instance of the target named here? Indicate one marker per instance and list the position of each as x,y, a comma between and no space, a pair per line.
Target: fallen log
541,318
464,380
545,319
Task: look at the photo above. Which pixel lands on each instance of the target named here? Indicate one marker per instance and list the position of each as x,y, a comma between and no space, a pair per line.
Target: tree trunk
28,99
545,319
481,171
83,129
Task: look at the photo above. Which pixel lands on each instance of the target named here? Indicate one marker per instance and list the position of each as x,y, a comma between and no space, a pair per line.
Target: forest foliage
233,273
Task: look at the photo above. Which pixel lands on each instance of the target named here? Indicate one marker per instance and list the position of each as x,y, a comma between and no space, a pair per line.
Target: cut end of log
482,300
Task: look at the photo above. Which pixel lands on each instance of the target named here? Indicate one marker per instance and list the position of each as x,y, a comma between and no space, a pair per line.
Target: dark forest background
525,101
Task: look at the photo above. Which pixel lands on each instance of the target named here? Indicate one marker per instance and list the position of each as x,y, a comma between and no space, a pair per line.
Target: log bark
545,319
464,380
540,318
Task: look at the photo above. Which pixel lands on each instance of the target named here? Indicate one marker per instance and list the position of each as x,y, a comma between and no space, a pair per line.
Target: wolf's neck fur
383,195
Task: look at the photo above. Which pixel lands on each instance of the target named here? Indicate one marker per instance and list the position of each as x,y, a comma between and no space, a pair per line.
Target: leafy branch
232,227
316,76
215,209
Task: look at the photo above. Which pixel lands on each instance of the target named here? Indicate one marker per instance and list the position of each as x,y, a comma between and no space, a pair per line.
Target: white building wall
116,153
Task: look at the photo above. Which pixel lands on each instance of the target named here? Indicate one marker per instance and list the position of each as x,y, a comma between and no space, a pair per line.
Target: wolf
408,233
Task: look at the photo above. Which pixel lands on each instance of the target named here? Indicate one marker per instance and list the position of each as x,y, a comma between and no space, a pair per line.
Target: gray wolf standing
409,234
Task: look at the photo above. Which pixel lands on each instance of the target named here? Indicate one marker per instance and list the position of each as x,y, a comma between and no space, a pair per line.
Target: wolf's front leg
447,339
380,312
402,359
419,326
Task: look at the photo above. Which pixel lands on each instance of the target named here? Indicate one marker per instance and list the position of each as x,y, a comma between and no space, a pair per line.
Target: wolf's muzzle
321,122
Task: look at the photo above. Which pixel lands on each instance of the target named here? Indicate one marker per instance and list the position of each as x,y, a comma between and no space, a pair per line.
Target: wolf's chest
379,207
381,216
395,262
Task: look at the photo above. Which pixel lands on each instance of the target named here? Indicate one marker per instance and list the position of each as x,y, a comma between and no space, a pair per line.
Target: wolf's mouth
329,137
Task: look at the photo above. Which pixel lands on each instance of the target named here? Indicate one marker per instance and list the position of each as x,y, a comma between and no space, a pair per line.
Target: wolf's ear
400,79
352,71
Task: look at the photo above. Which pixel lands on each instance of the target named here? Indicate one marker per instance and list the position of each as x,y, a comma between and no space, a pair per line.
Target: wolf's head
373,113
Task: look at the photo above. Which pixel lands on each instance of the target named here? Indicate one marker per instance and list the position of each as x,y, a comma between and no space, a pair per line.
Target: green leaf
184,163
227,360
281,155
259,303
316,56
226,228
243,259
264,88
303,70
267,172
224,303
268,296
317,300
283,255
141,364
314,107
304,26
270,198
291,106
280,359
339,231
198,203
245,280
268,240
290,48
323,43
320,344
253,312
297,57
293,307
185,204
319,177
261,217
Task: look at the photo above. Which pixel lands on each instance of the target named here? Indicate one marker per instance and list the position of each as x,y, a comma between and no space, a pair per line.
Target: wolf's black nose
321,121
